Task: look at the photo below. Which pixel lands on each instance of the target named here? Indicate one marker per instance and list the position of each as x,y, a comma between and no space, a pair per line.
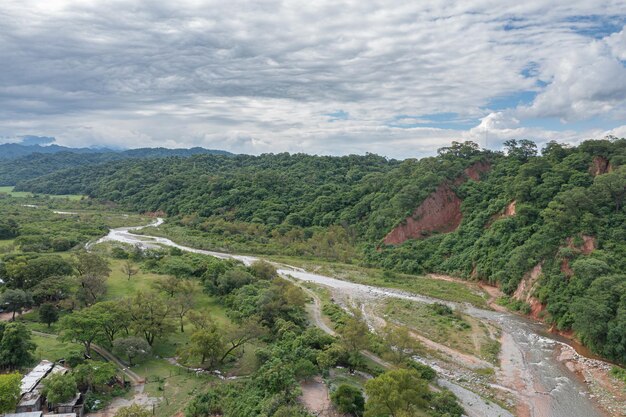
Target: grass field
456,330
52,349
23,194
436,288
174,384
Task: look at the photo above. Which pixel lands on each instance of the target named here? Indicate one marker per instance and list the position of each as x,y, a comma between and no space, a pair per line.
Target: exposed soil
440,212
316,398
526,288
600,165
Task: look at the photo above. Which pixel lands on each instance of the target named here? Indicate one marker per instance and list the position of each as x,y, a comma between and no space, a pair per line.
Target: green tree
114,318
93,271
128,269
58,388
184,301
396,393
16,300
82,326
48,314
9,391
355,336
150,315
349,400
207,345
131,348
16,346
613,185
94,375
445,404
403,345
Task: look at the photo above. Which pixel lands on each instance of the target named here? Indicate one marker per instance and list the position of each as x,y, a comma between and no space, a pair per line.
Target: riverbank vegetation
561,209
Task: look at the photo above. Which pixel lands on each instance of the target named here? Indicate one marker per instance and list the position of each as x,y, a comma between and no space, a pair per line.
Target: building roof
58,369
30,380
30,398
60,415
30,414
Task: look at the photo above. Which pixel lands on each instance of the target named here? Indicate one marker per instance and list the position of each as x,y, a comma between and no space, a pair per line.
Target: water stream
529,364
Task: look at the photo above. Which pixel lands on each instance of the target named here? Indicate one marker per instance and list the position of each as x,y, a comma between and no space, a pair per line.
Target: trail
528,352
133,377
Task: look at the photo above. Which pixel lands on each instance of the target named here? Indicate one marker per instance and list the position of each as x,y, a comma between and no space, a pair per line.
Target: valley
528,364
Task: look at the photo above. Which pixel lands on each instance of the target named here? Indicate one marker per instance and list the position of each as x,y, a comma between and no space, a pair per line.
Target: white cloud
263,75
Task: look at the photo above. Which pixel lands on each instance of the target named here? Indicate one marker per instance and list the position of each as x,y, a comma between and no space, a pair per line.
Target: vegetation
59,388
341,208
9,391
16,346
349,400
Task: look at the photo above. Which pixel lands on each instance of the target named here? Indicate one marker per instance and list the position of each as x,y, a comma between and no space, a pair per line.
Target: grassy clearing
53,349
455,330
443,290
19,194
26,194
174,384
119,286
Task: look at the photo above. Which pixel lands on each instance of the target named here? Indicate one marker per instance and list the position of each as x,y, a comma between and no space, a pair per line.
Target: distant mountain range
17,150
22,162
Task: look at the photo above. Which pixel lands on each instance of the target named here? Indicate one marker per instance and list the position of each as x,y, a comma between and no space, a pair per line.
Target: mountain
21,162
549,229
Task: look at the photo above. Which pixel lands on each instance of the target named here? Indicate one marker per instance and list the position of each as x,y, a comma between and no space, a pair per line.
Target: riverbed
529,366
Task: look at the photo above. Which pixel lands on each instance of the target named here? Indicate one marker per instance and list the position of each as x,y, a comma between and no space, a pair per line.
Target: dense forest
548,227
20,162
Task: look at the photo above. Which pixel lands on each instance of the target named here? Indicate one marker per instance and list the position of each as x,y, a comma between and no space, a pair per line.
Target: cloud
36,140
264,75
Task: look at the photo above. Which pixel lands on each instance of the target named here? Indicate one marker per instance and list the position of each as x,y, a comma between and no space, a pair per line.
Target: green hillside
476,214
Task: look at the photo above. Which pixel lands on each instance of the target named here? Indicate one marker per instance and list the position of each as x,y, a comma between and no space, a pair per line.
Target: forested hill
20,162
549,227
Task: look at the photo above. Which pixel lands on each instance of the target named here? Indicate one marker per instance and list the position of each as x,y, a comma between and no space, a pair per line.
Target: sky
397,78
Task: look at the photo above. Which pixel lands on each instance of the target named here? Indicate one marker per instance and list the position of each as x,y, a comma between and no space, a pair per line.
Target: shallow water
529,364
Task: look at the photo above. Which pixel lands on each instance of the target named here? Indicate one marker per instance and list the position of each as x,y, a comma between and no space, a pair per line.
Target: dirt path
316,398
133,377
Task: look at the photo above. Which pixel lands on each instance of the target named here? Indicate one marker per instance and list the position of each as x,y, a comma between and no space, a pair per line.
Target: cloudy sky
395,77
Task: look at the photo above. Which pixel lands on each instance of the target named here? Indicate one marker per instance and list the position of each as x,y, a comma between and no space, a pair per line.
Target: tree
170,285
613,184
131,348
263,270
48,314
239,335
149,315
396,393
127,269
94,375
82,326
9,229
184,301
403,345
206,344
9,391
16,346
114,318
355,333
16,300
58,388
348,400
93,271
52,289
445,404
134,410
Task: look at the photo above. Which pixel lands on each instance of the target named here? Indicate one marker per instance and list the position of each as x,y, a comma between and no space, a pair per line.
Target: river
529,364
